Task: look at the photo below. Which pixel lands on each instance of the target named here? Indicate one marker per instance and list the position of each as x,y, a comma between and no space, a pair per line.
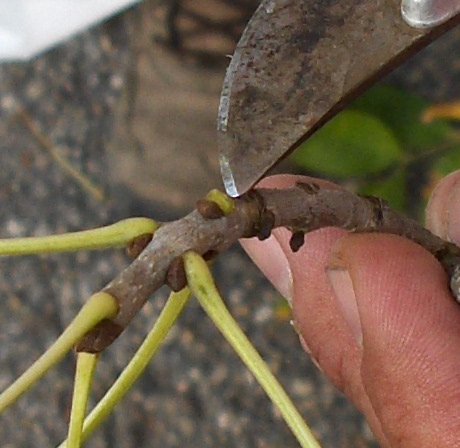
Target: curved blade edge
297,64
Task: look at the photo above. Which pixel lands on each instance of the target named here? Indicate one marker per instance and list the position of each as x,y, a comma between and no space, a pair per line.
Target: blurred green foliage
380,146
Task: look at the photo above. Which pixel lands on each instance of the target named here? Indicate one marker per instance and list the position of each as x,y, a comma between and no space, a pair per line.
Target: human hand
375,313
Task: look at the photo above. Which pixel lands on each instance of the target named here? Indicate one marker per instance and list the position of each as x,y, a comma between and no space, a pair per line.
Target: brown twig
304,208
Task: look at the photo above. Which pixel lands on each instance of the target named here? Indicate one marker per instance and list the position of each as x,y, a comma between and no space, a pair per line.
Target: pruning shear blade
298,63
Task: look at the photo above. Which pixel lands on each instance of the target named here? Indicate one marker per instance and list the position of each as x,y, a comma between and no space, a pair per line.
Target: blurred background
120,121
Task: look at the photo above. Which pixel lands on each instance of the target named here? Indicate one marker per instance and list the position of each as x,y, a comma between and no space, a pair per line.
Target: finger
276,267
443,210
370,372
409,326
301,278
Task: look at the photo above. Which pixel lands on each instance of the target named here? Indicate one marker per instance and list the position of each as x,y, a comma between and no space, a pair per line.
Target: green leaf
447,163
401,112
354,143
392,189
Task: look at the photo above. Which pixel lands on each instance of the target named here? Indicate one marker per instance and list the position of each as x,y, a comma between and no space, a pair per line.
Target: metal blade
297,64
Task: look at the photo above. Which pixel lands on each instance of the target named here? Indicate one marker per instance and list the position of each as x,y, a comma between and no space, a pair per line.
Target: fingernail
344,293
271,260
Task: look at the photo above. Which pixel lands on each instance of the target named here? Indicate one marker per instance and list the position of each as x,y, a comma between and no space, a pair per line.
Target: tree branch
303,208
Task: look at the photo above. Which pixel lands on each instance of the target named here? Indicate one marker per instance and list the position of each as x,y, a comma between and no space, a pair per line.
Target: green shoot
138,363
100,306
86,366
202,285
225,203
115,235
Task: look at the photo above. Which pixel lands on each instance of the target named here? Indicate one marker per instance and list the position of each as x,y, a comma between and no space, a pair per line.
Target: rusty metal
297,64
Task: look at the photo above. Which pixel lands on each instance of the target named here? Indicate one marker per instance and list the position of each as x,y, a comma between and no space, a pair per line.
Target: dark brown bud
176,278
99,337
210,254
209,209
297,241
266,223
138,244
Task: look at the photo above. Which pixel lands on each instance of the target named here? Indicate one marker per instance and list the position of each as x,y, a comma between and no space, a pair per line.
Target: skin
375,314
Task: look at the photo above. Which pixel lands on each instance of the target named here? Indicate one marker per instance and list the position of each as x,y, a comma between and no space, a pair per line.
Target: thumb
443,211
375,313
394,297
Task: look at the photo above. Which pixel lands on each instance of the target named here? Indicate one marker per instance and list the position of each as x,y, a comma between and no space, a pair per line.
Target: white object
28,27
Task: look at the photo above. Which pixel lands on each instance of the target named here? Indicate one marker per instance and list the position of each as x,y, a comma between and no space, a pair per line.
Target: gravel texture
196,392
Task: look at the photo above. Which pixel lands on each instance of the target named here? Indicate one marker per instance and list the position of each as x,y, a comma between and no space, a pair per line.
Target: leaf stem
98,307
86,366
203,287
153,341
115,235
